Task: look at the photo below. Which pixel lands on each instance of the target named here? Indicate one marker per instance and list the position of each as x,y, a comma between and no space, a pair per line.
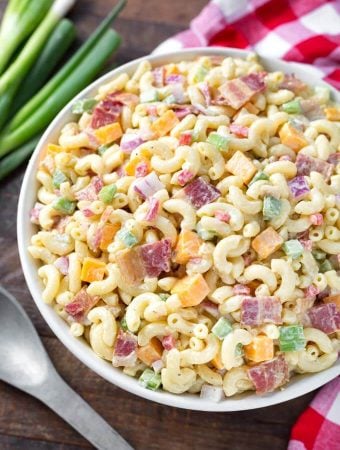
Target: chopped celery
292,338
123,324
323,93
219,141
271,207
200,74
58,178
150,379
64,205
107,193
128,239
151,95
239,350
84,105
325,266
221,328
259,176
164,296
292,107
102,149
293,248
206,235
319,255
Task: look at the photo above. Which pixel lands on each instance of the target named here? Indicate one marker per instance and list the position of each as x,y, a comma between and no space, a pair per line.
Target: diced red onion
87,212
241,289
142,169
129,142
34,213
62,264
185,138
298,187
157,365
153,209
174,78
212,393
311,291
210,307
177,91
204,88
158,76
125,361
169,342
148,186
334,158
239,130
223,216
316,219
184,177
307,244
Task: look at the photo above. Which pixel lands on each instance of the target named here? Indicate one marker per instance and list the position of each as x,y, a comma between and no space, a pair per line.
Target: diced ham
185,138
34,213
169,342
91,191
148,186
239,91
325,318
241,289
156,257
105,112
62,264
81,304
316,219
174,78
87,212
223,216
293,84
334,158
142,169
306,164
239,130
200,193
184,177
256,311
125,350
269,375
153,209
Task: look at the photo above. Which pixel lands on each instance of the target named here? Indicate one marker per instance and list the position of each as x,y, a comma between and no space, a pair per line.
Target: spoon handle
63,400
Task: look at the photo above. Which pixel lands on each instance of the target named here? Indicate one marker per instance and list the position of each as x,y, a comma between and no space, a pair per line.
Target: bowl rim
299,385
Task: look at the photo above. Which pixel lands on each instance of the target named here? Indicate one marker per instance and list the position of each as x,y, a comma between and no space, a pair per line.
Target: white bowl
298,386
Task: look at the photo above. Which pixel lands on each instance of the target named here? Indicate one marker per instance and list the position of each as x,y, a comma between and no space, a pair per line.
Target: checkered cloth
304,31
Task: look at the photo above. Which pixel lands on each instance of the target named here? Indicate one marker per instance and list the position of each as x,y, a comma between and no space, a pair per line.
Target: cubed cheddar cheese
142,157
171,69
51,149
187,247
150,352
165,123
292,137
108,133
239,164
92,270
251,108
260,349
191,290
332,114
217,360
109,231
267,242
333,299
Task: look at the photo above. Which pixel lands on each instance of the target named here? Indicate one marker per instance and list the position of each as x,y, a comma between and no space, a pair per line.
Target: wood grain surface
27,424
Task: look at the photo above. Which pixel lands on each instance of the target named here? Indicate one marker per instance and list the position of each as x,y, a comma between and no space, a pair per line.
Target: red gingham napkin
304,31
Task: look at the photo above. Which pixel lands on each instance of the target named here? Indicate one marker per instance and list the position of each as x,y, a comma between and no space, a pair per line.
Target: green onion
58,178
11,79
325,266
200,74
93,46
292,338
292,107
150,379
14,159
259,176
64,205
20,19
84,105
102,149
78,79
164,297
107,193
221,142
123,324
239,350
151,95
271,207
57,45
128,239
221,328
293,248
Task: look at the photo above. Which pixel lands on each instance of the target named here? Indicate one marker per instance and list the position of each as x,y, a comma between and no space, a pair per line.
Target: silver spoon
26,365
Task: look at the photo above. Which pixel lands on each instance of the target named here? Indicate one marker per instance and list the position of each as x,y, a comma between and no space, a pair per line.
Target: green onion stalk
20,19
11,79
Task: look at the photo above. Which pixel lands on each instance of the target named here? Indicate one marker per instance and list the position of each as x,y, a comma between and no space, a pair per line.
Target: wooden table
27,424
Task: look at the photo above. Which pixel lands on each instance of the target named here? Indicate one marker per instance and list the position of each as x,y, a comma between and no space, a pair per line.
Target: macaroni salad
188,226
